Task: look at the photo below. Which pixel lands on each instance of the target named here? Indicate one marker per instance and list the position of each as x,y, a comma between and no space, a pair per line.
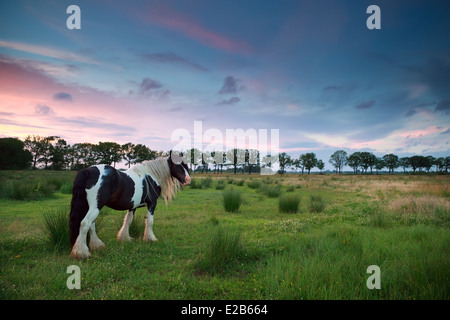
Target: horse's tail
79,205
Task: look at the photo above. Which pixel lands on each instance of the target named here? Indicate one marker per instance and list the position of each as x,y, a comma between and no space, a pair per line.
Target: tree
429,162
59,155
338,160
368,160
379,164
143,153
440,164
39,148
251,159
309,160
108,153
391,161
404,163
354,161
320,165
13,156
284,160
128,153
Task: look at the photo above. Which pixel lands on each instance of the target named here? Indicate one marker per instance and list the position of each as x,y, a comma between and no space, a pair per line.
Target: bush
316,203
289,203
231,200
240,183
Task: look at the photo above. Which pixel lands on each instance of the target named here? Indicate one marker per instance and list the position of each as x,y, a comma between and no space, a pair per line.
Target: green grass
316,203
399,223
232,200
225,250
289,203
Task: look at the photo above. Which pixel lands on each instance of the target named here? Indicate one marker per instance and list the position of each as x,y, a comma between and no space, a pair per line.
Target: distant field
343,225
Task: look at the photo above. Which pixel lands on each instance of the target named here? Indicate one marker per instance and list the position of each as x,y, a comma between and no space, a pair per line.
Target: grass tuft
232,200
289,203
224,250
316,203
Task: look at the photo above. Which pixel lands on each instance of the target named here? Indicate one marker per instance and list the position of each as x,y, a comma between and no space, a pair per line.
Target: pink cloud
28,107
420,133
169,18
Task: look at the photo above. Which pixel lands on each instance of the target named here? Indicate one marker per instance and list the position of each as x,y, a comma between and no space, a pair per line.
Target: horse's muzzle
187,180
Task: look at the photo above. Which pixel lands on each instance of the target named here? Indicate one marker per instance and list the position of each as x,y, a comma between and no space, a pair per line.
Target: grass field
320,248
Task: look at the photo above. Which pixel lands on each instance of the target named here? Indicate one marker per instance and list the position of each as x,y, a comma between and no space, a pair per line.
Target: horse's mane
159,170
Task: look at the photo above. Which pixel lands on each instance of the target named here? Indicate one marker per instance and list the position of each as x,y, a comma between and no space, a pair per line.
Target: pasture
320,247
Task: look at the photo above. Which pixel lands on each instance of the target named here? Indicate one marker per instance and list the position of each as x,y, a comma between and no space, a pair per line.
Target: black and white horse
139,186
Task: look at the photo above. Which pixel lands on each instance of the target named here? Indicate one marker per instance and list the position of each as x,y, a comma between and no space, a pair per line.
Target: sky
138,71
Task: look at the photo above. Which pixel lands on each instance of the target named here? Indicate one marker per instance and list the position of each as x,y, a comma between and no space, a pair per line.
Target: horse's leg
124,234
148,233
95,243
80,250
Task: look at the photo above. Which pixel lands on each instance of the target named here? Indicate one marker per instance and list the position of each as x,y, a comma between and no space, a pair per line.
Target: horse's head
178,168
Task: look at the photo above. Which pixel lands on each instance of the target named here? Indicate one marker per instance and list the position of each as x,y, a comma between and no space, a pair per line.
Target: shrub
231,200
316,203
289,203
240,183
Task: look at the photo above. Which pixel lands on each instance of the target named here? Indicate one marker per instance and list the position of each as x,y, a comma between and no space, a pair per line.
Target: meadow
273,237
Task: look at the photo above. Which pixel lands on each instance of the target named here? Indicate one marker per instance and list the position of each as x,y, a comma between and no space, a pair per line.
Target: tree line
55,153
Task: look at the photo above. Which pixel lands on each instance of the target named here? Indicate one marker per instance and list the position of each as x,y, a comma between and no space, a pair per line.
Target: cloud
230,85
446,131
62,96
443,105
151,88
148,84
47,52
366,105
172,58
410,113
169,18
331,88
232,100
42,110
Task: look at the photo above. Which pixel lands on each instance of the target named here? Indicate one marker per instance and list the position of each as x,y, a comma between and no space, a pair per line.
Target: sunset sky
138,70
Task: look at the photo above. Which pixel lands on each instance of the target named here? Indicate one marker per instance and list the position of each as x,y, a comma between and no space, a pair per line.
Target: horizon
138,71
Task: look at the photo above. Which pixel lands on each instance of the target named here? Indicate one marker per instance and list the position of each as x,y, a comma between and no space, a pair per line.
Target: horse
139,186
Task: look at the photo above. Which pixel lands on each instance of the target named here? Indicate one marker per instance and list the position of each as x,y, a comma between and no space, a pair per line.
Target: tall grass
196,184
289,203
232,200
332,264
224,250
56,228
254,184
220,184
32,185
316,203
272,191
